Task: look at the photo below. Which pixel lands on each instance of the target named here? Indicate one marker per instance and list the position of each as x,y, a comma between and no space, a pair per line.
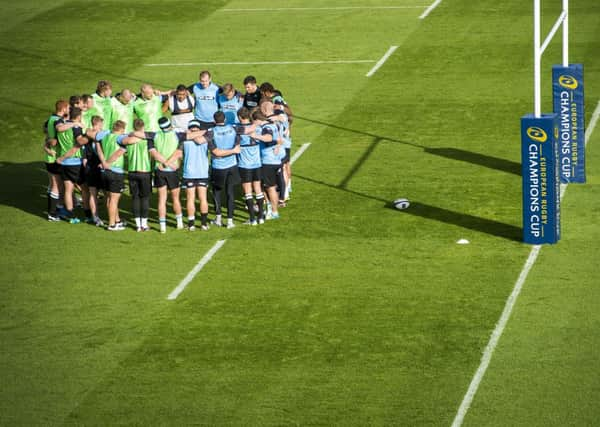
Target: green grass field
346,311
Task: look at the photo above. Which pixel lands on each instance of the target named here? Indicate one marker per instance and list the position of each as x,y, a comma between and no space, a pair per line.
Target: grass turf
344,312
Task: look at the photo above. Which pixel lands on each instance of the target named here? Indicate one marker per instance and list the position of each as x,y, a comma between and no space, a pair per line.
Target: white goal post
539,48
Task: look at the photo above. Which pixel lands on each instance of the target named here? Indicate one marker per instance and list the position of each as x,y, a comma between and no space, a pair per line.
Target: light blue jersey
249,157
284,126
206,101
267,149
223,137
195,160
230,107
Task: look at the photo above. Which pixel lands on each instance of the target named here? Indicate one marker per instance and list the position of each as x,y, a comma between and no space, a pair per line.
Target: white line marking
278,9
489,349
205,259
382,61
430,9
298,153
497,333
193,64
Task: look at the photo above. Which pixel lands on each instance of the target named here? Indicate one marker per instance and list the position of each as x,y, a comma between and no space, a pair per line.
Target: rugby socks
88,213
250,205
230,200
260,201
52,203
217,198
138,222
191,221
163,224
204,218
144,222
179,219
281,185
145,205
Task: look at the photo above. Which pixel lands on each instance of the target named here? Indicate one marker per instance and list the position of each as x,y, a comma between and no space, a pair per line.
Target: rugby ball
401,204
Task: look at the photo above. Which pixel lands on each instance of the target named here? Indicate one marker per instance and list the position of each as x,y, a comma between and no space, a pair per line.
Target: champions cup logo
568,82
537,134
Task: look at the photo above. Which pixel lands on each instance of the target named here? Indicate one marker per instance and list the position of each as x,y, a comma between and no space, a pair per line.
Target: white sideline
205,259
497,333
382,61
194,64
298,153
430,9
277,9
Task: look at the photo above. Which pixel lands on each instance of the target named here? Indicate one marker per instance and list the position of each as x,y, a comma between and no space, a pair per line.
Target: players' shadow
24,187
471,222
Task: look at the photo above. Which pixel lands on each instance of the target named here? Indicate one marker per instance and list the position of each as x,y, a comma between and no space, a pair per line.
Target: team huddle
215,137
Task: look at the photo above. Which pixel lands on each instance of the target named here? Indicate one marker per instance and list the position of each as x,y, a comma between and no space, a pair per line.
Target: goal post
552,145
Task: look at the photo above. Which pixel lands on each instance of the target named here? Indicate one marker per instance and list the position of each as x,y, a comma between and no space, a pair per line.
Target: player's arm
64,126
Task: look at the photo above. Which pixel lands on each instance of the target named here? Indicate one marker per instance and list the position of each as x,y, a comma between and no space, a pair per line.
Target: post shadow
471,222
458,154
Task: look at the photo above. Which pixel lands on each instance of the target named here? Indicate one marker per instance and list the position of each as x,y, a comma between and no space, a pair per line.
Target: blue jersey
267,149
249,157
223,137
230,107
284,128
195,160
206,101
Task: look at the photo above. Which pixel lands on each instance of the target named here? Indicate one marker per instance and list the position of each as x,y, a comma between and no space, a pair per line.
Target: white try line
510,303
195,64
298,153
382,61
430,9
280,9
205,259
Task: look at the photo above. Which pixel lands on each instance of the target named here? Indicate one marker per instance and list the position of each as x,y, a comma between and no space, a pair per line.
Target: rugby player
111,149
252,95
205,95
195,177
270,142
103,102
139,173
250,167
122,108
224,144
148,106
70,140
61,111
230,101
181,106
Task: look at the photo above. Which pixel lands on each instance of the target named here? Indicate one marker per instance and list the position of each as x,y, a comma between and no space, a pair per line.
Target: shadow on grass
25,188
471,222
479,159
70,66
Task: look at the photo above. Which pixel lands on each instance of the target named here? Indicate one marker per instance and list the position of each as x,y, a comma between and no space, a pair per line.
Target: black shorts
250,175
53,168
75,174
140,184
286,159
222,177
269,175
162,178
94,178
113,182
206,125
195,182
